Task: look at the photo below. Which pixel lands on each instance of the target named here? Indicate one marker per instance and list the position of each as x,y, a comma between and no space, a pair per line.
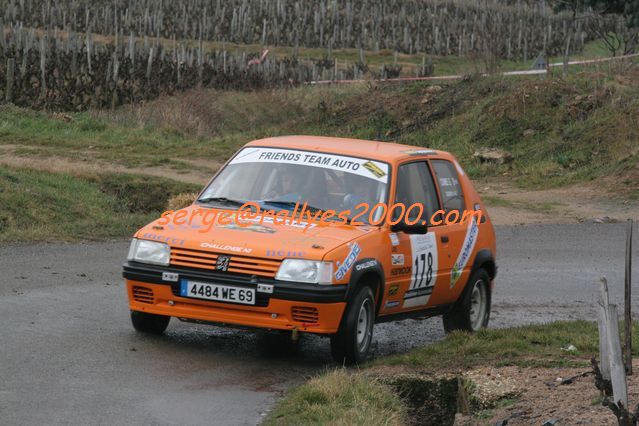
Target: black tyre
352,342
472,310
149,323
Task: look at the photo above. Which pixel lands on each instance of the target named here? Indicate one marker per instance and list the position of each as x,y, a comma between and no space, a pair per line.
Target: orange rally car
333,278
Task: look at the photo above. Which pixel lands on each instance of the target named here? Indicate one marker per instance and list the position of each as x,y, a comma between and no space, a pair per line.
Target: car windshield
279,178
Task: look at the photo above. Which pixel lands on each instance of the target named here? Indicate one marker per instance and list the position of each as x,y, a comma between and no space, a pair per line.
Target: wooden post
627,300
604,301
132,51
88,48
3,43
602,314
149,64
617,370
603,292
11,64
565,59
43,67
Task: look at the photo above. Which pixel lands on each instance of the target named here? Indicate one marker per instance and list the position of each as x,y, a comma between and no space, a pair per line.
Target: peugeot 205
424,245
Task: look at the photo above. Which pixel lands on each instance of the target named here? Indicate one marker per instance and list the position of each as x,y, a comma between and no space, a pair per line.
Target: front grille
306,314
238,264
143,295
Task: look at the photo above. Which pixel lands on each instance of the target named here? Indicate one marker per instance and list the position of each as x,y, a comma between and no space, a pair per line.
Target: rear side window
415,185
449,186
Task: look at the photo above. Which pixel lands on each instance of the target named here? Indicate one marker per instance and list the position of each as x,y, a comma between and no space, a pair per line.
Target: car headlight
305,271
146,251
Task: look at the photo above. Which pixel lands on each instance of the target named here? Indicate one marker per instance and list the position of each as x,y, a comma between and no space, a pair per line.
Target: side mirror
417,228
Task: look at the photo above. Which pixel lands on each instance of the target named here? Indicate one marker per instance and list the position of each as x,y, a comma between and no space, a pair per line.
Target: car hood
268,239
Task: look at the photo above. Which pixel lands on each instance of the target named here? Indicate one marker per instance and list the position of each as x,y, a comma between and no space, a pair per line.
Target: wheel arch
368,271
484,259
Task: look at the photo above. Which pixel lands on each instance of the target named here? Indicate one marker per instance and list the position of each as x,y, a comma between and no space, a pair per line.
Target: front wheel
472,311
149,323
353,340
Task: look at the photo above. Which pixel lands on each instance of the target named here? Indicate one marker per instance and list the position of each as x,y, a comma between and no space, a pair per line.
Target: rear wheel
353,340
149,323
472,311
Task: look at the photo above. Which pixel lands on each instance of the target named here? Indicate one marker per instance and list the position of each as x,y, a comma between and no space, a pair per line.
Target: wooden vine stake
617,370
611,358
11,65
602,314
627,322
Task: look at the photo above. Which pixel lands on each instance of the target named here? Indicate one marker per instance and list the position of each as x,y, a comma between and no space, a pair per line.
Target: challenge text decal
226,247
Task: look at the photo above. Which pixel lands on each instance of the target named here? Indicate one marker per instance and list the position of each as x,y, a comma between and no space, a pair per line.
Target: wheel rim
478,305
364,325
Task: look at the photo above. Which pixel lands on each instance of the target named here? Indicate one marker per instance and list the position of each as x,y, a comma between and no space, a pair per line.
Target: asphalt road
68,354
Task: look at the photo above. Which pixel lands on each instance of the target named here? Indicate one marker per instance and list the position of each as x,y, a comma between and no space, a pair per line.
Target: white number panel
424,273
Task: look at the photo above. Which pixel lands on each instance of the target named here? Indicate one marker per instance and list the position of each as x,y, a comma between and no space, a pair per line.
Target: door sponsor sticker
397,259
375,170
400,271
424,263
345,266
467,249
394,239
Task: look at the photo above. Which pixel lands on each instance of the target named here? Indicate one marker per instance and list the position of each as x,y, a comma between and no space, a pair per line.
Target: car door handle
444,238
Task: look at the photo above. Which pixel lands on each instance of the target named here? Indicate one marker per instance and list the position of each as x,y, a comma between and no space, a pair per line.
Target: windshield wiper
291,205
222,200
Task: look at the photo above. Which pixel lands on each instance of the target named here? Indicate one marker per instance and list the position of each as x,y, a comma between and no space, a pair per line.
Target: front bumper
305,307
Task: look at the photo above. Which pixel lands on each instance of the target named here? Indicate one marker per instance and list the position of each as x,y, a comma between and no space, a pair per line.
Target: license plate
218,292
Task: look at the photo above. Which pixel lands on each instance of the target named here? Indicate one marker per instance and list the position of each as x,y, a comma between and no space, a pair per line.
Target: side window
415,185
449,186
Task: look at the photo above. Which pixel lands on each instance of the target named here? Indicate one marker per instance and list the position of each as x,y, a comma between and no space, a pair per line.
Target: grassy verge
339,397
531,345
322,400
42,206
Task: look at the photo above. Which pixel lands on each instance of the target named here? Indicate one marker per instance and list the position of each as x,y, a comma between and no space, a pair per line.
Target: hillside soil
542,397
532,395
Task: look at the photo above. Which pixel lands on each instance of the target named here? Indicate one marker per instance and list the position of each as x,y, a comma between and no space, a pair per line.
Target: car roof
377,150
